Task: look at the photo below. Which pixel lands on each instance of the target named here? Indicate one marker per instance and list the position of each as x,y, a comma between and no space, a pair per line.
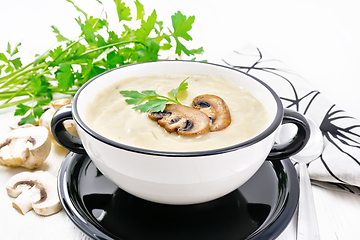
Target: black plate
259,209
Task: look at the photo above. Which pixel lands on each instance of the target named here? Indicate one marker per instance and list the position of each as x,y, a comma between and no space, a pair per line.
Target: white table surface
318,39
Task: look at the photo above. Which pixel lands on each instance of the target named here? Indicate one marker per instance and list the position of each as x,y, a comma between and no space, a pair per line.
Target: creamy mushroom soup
110,116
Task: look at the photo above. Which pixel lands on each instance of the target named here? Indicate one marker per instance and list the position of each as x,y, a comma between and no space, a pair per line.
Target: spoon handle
307,227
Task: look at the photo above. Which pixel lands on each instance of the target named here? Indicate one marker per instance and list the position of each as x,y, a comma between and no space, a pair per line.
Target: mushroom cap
46,118
182,119
56,104
214,107
27,147
34,190
174,57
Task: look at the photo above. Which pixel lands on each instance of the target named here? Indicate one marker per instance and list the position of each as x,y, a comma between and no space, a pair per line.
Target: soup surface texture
110,116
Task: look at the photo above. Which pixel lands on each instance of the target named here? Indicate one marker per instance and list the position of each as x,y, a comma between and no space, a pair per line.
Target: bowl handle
285,150
63,137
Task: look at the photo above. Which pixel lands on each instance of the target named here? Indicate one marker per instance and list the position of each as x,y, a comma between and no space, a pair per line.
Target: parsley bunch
65,68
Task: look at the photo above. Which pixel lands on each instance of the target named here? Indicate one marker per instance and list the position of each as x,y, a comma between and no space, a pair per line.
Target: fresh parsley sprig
149,100
66,67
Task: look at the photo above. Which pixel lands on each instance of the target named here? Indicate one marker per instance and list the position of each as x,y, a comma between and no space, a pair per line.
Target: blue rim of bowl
270,129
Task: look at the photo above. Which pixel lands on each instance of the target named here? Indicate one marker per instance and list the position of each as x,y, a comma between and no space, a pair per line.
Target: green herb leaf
89,71
150,93
29,119
16,63
146,27
153,105
181,48
182,25
55,53
166,46
65,76
38,111
155,102
122,11
136,97
3,57
8,49
77,8
1,67
140,10
59,37
198,50
182,87
44,102
21,110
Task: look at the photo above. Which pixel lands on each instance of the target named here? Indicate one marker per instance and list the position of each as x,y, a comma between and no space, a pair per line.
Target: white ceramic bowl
178,177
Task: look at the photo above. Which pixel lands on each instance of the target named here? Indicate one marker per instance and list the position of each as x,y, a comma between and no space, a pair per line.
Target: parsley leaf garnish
154,102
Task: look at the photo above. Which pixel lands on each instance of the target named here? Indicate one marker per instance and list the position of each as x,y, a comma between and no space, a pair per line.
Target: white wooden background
319,39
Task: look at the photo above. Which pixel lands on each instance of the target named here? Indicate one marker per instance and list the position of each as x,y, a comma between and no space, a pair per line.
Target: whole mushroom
34,190
45,119
26,147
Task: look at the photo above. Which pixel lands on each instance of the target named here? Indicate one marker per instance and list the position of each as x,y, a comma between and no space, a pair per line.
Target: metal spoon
307,227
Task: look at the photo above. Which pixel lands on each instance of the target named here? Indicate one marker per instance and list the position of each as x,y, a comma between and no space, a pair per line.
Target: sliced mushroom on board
25,147
216,108
182,119
34,190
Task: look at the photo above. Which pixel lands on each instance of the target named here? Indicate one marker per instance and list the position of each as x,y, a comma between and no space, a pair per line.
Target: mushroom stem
24,201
